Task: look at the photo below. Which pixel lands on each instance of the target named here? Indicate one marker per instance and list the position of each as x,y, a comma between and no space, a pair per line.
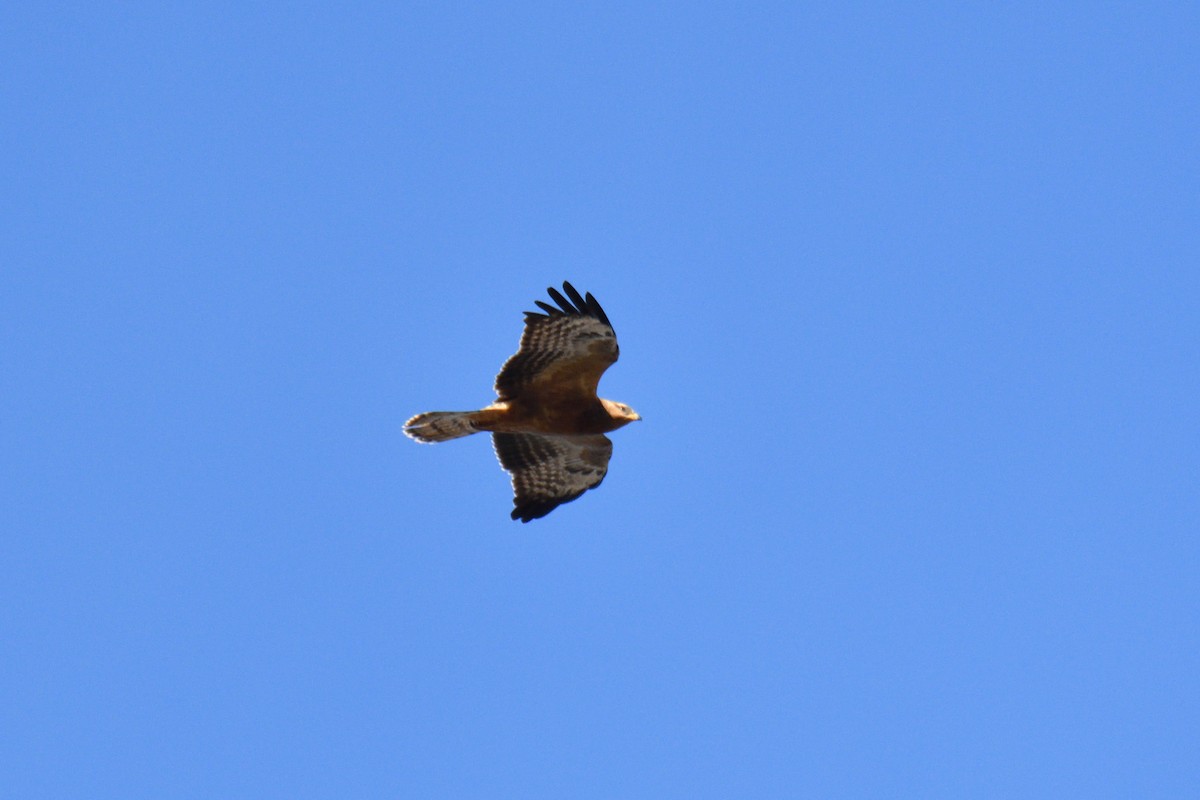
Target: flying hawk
547,423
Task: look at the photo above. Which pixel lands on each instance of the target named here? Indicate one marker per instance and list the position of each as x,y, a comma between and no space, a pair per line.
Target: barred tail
441,426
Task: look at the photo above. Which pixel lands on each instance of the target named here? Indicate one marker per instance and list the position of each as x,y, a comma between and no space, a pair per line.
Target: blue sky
908,298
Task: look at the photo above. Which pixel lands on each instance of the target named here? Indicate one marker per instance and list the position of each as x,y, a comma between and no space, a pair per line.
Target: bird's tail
442,426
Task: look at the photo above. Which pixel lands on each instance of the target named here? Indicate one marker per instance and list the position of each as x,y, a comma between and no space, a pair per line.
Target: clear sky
907,294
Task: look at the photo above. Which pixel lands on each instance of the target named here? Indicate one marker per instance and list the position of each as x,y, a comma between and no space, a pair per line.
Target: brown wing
548,471
566,349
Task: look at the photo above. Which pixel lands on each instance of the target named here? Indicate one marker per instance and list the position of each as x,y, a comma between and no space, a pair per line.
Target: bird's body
548,423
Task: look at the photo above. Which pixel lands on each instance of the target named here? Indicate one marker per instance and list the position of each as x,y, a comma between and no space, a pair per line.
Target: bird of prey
547,423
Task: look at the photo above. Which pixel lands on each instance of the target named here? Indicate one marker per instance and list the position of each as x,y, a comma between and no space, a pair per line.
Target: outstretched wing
564,350
548,471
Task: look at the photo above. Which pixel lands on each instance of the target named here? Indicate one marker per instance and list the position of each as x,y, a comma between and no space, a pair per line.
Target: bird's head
620,412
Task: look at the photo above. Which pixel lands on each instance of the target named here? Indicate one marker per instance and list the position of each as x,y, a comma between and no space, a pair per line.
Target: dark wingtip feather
573,303
563,303
596,310
575,296
537,509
